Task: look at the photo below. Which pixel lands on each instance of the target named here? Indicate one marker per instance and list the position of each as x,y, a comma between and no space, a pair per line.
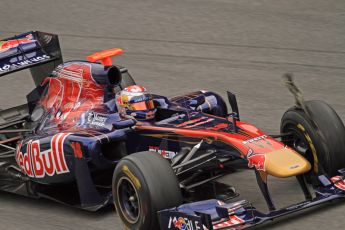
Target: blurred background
177,46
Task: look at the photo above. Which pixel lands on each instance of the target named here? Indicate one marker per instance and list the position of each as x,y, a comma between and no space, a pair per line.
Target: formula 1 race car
68,143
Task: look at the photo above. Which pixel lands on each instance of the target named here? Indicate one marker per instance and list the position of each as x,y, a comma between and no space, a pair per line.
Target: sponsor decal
297,206
78,153
96,119
338,182
254,139
38,164
233,220
184,223
256,160
294,166
29,61
164,153
180,223
9,44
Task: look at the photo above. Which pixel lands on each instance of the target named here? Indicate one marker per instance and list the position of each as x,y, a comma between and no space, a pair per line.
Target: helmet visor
143,105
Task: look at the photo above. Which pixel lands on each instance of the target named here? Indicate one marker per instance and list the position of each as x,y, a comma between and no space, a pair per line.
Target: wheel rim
128,200
298,142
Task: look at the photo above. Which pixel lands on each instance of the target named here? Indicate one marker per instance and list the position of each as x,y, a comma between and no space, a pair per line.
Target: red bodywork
71,93
6,45
237,140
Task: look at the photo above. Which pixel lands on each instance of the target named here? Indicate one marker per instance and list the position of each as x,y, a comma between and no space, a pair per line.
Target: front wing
215,214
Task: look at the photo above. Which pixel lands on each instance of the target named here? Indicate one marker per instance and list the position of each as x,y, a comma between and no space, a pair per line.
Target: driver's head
134,101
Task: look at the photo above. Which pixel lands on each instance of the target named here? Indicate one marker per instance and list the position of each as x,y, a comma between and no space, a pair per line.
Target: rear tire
324,144
143,184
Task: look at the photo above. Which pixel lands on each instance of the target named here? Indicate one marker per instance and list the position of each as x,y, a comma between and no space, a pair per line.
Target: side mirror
233,103
234,107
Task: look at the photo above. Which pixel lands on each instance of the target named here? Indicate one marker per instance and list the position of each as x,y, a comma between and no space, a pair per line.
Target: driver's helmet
134,101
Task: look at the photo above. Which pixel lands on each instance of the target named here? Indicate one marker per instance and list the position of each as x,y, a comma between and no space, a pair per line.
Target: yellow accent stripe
133,178
312,147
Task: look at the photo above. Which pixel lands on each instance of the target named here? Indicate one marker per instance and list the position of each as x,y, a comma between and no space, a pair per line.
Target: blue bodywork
215,214
72,137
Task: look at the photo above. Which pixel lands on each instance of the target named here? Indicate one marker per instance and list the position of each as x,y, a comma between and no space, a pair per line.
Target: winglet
105,56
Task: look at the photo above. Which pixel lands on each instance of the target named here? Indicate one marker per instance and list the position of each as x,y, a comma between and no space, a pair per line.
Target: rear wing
36,50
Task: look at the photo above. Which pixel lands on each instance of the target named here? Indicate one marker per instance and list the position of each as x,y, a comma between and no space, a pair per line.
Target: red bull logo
9,44
37,163
164,153
256,160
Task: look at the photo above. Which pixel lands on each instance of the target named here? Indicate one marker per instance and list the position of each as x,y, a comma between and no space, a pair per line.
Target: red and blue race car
69,143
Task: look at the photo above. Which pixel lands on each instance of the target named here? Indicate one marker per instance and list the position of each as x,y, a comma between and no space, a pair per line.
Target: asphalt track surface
177,46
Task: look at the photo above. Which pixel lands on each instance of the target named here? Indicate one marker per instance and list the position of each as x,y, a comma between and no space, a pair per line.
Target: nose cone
285,163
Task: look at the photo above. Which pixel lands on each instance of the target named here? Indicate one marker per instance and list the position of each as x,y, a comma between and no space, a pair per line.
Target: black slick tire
322,135
152,186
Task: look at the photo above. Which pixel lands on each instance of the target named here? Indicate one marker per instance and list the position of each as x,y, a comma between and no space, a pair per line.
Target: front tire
321,141
143,184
